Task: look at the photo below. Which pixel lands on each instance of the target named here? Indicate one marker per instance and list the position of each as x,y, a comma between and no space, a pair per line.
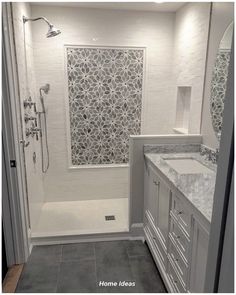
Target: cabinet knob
156,182
180,212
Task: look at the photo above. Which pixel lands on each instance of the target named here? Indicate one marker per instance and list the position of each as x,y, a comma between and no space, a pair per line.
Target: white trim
66,99
81,232
136,229
85,238
14,150
194,137
101,166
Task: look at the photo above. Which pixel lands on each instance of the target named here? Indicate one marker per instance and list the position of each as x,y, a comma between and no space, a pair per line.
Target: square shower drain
110,217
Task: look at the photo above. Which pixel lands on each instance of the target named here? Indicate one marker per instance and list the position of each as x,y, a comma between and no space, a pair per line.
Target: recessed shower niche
183,109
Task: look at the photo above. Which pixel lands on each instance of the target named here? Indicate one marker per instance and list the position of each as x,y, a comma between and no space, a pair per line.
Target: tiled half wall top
105,100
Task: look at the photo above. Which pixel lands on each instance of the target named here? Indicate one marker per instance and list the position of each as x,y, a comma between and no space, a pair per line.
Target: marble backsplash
208,153
171,148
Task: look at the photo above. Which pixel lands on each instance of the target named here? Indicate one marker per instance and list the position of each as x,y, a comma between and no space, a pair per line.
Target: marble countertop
197,188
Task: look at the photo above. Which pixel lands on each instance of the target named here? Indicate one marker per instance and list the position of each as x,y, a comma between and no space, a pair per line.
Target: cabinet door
199,257
163,207
150,191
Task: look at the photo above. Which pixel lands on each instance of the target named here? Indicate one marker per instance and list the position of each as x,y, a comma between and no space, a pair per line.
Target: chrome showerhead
52,31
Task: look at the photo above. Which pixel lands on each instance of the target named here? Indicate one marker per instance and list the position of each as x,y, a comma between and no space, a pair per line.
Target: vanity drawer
180,212
178,261
176,282
181,240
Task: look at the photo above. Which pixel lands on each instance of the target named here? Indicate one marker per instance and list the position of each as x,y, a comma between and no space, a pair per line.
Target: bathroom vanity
178,198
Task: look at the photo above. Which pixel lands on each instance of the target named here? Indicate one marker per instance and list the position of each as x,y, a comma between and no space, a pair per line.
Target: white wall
155,31
191,36
27,88
222,16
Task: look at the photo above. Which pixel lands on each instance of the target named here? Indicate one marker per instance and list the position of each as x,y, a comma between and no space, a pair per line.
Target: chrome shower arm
26,19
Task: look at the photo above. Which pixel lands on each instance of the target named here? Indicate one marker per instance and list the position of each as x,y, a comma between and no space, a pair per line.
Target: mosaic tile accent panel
218,89
210,154
105,101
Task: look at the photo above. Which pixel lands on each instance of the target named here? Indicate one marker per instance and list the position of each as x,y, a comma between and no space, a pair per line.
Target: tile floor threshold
11,279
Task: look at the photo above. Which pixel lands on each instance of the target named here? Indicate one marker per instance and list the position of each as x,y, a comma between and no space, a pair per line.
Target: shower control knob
36,129
29,118
32,131
27,132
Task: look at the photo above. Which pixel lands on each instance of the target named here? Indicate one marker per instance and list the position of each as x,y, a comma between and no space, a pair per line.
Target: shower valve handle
29,118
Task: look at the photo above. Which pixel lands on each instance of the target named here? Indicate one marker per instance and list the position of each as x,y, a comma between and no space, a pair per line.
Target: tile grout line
95,264
59,269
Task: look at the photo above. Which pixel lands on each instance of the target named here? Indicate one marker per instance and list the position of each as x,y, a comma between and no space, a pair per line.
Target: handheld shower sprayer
43,125
44,89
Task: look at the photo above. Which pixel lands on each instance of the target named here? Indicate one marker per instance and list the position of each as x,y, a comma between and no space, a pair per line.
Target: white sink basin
187,166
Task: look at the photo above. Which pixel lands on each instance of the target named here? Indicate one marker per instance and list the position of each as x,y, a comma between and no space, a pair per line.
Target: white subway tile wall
155,32
191,36
24,55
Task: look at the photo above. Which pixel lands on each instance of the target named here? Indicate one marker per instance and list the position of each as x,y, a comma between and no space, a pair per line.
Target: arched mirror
219,81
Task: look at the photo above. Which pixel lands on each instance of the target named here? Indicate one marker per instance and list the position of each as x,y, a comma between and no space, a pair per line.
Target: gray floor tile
146,275
50,253
137,248
112,265
110,252
77,277
81,251
38,277
114,271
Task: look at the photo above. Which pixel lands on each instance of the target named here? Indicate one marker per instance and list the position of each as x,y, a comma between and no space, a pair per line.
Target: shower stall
77,125
84,89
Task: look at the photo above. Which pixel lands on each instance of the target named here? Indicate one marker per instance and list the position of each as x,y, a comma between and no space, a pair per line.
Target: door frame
222,212
14,190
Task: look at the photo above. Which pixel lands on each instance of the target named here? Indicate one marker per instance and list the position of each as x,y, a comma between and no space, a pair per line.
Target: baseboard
136,234
137,230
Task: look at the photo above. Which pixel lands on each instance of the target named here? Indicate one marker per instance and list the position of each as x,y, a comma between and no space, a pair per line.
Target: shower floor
82,217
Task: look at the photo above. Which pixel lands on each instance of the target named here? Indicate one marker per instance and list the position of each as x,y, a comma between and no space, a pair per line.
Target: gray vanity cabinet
177,236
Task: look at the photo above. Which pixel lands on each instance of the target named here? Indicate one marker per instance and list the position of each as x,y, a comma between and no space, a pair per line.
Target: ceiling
140,6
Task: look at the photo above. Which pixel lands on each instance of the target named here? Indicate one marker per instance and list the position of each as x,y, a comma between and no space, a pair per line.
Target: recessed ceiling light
158,2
